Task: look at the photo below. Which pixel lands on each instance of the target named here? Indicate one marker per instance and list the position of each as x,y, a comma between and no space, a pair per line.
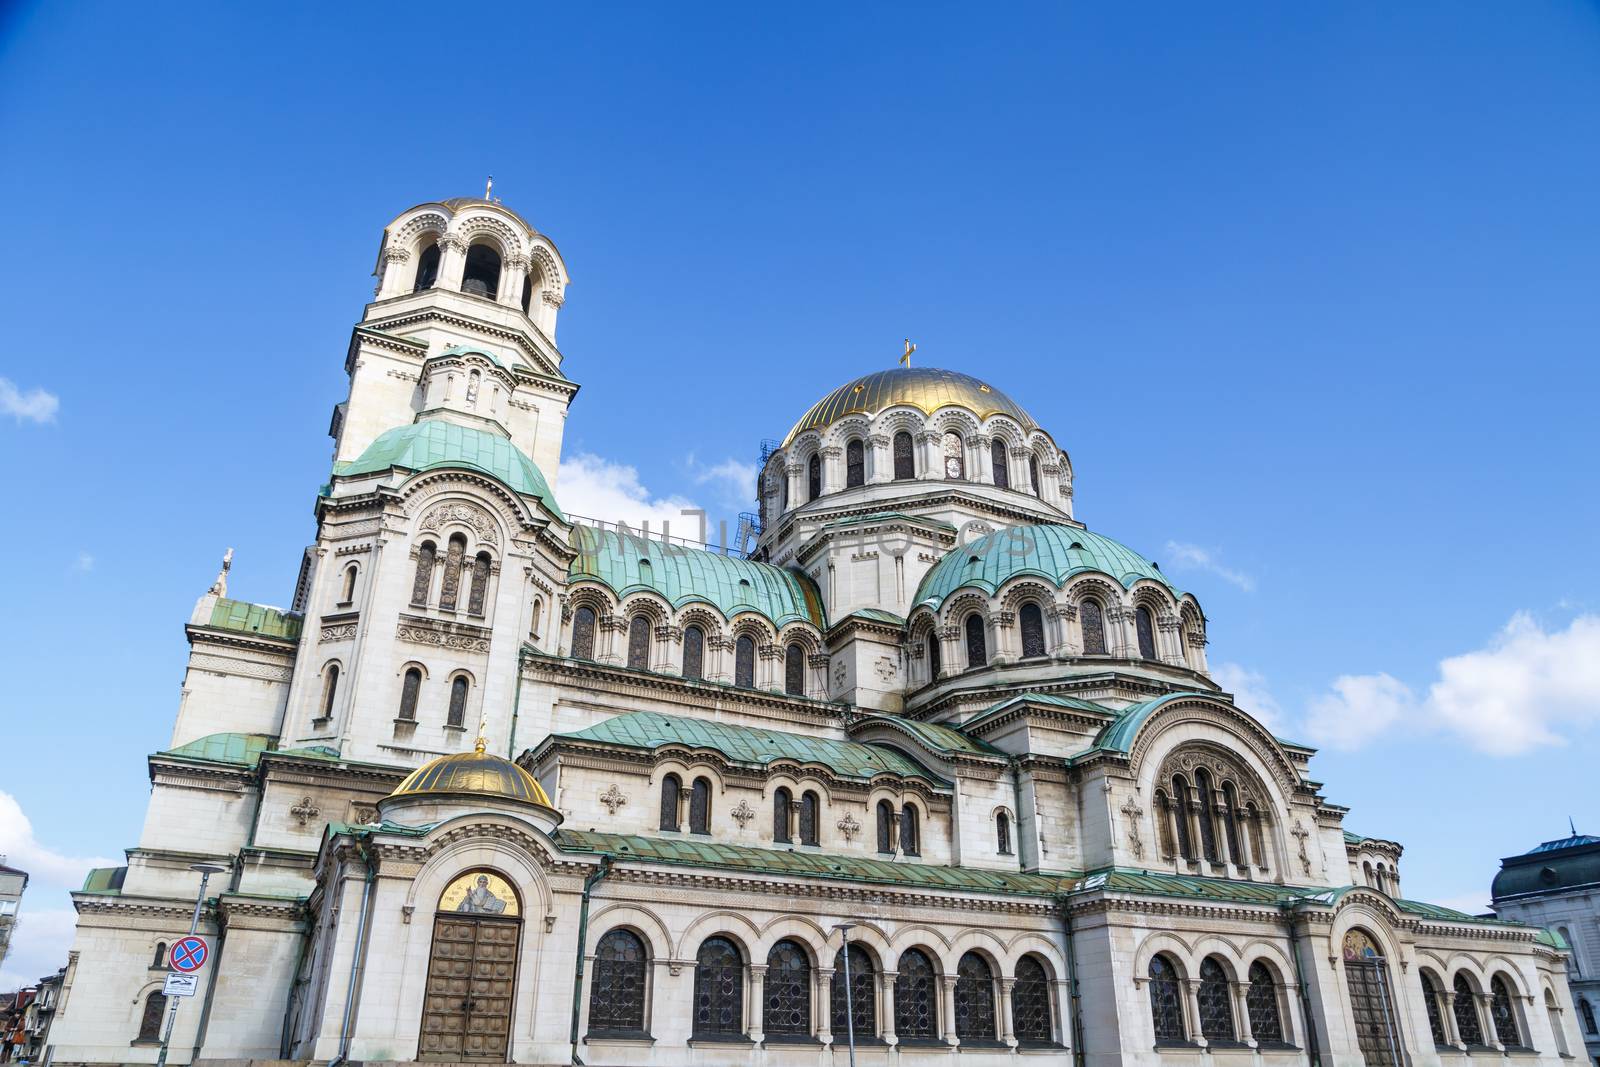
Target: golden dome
475,773
925,388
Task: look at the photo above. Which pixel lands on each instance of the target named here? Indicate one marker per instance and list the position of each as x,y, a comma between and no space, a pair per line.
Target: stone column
823,999
452,261
880,459
1452,1035
513,278
818,689
1006,639
947,1013
1191,1007
756,999
984,446
1021,476
1061,621
395,275
1241,1011
719,659
610,626
797,485
886,1007
932,465
1007,1022
951,654
668,650
769,668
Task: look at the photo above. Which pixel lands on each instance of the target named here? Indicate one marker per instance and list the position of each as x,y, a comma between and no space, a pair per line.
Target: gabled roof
1048,551
649,730
1048,699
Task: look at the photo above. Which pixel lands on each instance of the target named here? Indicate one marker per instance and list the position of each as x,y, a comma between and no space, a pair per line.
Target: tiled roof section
1352,839
433,443
1047,699
876,615
242,617
751,745
1574,841
939,738
1552,937
1046,551
105,880
627,562
787,863
243,750
1222,890
1118,735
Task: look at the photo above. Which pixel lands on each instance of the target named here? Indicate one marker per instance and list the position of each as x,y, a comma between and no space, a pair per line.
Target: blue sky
1308,292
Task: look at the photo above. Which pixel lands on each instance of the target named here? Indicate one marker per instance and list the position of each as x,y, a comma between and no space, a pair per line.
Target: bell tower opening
482,274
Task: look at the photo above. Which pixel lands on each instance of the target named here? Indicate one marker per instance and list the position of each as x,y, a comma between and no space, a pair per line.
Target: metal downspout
1305,994
516,703
364,921
1078,1053
589,883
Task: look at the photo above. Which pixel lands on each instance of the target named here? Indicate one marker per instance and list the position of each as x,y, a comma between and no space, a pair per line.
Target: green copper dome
1053,553
432,443
627,562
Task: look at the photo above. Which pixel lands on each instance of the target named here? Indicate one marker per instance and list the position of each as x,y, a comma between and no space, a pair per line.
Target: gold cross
905,357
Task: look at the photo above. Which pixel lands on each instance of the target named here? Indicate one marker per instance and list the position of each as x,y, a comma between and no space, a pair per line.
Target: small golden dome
475,773
925,388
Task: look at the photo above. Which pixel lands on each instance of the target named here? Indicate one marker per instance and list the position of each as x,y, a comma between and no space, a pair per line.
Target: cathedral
925,772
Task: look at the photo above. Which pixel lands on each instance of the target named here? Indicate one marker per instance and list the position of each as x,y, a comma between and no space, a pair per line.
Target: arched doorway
472,970
1366,974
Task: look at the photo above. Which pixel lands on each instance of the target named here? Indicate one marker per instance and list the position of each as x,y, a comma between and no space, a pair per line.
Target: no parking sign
189,954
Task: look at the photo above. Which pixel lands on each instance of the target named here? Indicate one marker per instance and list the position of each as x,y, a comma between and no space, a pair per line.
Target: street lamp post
206,871
849,1003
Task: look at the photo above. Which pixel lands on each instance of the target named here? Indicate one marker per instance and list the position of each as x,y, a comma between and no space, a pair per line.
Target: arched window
1572,961
1032,622
1503,1013
855,463
161,955
1230,823
1367,876
616,992
1206,815
1216,1004
479,594
155,1008
781,802
975,1016
1258,840
808,819
458,702
1553,1014
744,662
700,806
718,989
1468,1024
1434,999
1163,812
977,643
427,269
1030,1003
885,827
1586,1010
1144,626
529,282
910,838
1033,477
794,669
1166,1007
410,690
788,991
1002,833
933,655
863,1000
451,586
1092,621
905,463
423,582
955,460
1180,816
694,653
482,274
814,476
347,593
1261,999
583,633
639,643
997,460
916,1000
330,690
671,787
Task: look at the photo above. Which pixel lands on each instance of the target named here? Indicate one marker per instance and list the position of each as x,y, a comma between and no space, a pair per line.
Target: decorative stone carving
438,637
1134,813
361,814
469,515
849,827
613,798
743,813
1301,833
839,672
342,632
885,668
305,811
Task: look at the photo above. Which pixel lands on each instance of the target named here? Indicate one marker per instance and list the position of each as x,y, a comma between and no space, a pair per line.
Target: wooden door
466,1011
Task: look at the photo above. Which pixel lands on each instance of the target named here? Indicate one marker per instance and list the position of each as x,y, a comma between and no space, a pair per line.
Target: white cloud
597,488
35,405
1250,693
43,933
1185,556
84,563
1473,903
1526,688
39,944
734,482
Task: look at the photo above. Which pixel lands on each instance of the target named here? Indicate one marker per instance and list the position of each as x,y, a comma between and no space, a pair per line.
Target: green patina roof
627,562
246,618
1552,937
1047,551
462,350
243,750
1049,699
934,736
105,880
1118,735
875,615
1149,883
751,745
432,443
707,853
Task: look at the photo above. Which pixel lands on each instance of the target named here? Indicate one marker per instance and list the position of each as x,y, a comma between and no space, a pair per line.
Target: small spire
483,728
488,188
220,586
905,357
1572,826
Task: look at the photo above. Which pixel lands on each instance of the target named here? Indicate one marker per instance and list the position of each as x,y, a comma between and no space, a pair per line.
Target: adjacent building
12,884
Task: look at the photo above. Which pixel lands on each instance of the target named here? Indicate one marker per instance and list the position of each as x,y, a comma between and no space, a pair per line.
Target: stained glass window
479,593
885,827
855,464
977,644
155,1007
616,992
451,586
910,839
808,819
639,643
1144,626
700,806
427,269
955,460
410,689
1207,817
583,633
1468,1024
788,990
1230,822
975,1016
1180,816
780,815
424,579
1002,833
1033,477
330,689
1092,621
671,787
933,655
744,662
863,1001
814,477
718,989
694,652
794,670
161,955
1433,998
1165,1008
458,702
997,457
905,464
1503,1014
1258,843
916,1011
1030,1003
1032,620
1216,1008
1262,1001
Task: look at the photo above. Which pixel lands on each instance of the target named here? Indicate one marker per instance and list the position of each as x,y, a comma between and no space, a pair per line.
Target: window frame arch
727,999
916,996
1000,462
1257,1003
581,643
1031,625
787,994
795,655
1101,646
975,638
462,682
640,627
700,805
863,999
855,463
904,463
977,1013
671,803
328,699
1035,1002
1167,1015
638,971
1503,1014
410,698
491,247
